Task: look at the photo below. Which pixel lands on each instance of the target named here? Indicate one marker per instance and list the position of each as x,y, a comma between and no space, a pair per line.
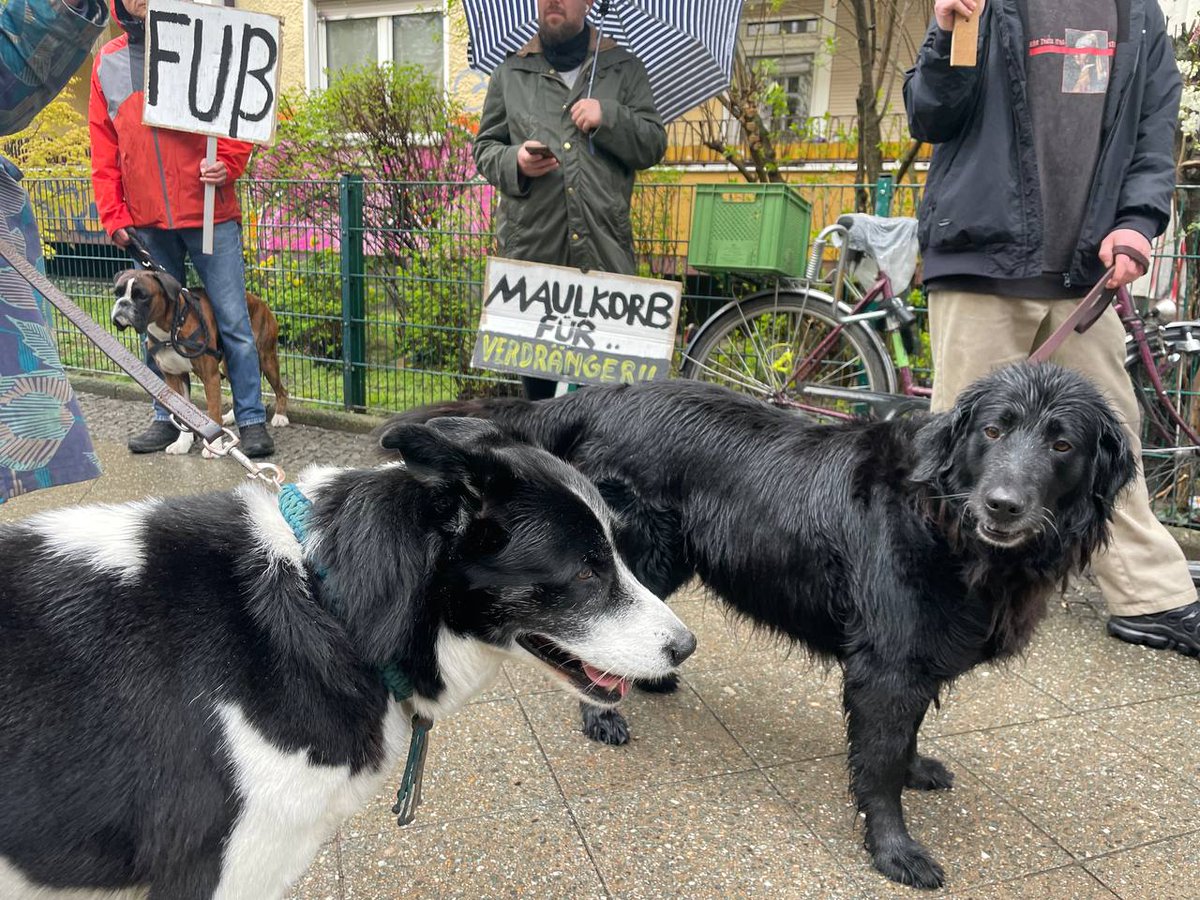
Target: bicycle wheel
755,346
1169,462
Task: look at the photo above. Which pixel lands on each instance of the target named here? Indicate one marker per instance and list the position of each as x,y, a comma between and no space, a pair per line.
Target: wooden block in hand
964,40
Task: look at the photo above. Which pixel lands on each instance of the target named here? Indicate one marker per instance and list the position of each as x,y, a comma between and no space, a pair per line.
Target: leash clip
226,445
408,796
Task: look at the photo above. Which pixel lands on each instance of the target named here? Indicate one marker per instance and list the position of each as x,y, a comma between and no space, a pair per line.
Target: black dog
191,698
910,551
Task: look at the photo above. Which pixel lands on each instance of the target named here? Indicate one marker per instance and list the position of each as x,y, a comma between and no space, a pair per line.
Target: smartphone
540,150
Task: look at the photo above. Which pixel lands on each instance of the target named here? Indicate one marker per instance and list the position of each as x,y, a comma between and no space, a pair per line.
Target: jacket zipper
162,179
1108,138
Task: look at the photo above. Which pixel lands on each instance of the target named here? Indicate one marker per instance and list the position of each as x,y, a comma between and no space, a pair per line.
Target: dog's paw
228,418
605,726
181,445
909,863
207,454
668,684
279,420
927,774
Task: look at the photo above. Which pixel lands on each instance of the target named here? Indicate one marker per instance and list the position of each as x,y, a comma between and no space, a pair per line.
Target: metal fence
377,285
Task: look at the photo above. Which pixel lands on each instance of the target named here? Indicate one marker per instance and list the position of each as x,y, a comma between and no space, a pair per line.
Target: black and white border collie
190,697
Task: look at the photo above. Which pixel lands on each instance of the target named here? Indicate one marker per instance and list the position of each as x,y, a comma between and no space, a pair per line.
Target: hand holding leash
1092,306
1127,251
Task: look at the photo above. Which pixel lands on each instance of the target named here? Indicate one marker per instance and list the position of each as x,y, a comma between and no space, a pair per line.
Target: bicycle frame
880,290
1135,327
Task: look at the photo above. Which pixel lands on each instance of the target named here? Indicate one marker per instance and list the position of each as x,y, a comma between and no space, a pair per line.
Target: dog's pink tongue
605,680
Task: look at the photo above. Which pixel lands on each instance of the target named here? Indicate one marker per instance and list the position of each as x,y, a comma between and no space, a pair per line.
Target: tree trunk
870,152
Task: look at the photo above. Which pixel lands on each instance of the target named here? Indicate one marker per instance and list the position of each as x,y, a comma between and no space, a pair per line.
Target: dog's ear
170,286
123,278
1114,465
939,437
465,430
381,558
444,450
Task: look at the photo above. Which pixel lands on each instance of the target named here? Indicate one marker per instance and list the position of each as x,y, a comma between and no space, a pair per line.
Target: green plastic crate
761,228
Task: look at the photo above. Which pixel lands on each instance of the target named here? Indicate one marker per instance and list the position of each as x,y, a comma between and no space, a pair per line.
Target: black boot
1172,629
159,436
255,442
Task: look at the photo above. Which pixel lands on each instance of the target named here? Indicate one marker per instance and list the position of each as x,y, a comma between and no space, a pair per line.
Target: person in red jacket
152,180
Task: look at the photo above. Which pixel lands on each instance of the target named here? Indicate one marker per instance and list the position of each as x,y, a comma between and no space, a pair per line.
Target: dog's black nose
681,648
1004,505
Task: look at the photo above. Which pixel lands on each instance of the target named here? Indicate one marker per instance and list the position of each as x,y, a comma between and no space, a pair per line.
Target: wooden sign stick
964,40
210,198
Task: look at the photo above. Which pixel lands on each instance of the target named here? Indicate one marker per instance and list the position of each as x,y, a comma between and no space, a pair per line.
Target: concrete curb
298,413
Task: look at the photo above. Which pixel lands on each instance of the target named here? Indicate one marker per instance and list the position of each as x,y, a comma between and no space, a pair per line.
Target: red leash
1090,308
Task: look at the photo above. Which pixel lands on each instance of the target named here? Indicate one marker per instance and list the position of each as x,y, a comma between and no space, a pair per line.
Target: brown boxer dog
182,337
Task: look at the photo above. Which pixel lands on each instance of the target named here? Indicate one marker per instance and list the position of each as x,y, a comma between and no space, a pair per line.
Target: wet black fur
112,768
856,540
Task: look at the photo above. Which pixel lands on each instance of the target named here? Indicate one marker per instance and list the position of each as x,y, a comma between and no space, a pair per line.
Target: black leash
190,346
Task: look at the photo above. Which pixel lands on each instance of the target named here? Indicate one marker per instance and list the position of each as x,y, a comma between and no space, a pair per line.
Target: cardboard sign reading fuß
211,70
562,324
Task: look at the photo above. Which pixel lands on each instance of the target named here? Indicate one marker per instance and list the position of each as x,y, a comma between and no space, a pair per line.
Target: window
784,26
351,40
794,77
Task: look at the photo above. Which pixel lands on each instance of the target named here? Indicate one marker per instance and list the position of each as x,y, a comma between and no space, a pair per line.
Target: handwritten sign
211,70
585,328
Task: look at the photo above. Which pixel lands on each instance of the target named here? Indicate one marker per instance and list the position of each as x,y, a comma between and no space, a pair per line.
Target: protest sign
581,327
211,70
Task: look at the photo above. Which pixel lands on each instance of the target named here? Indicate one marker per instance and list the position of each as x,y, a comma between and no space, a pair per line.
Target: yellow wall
466,86
291,14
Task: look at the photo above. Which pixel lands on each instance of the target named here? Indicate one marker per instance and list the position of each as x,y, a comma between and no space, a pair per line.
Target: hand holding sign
211,70
964,40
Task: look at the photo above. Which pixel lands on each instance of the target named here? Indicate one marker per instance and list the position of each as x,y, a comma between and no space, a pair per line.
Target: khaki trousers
1143,570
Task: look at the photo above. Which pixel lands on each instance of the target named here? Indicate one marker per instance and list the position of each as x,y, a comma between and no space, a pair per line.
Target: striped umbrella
686,45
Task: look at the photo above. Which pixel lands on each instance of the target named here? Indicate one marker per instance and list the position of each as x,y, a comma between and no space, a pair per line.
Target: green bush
304,291
440,305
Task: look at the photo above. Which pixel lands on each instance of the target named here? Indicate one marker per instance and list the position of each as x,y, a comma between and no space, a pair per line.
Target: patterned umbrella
686,45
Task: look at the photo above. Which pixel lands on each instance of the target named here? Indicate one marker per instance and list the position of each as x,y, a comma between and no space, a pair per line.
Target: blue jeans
224,277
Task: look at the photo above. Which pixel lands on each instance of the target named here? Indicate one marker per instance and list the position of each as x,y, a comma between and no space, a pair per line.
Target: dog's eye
1062,446
991,432
584,574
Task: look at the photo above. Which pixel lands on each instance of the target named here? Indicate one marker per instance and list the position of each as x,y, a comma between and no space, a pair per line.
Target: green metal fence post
354,343
883,195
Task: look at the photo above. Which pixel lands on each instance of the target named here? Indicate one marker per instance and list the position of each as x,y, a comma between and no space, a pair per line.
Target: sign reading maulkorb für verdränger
211,70
580,327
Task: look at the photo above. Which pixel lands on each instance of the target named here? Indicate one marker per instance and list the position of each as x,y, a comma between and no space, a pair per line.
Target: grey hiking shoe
255,442
157,437
1172,629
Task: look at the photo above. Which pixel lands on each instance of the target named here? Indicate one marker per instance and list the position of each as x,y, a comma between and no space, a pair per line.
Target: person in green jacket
563,157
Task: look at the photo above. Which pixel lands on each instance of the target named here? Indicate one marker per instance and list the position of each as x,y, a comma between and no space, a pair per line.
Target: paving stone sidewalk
1078,768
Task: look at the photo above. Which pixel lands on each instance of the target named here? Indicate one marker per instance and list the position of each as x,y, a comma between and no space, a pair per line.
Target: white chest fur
290,806
168,360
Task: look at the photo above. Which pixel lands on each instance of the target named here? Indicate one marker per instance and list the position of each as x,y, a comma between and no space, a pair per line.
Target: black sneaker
159,436
1172,629
255,442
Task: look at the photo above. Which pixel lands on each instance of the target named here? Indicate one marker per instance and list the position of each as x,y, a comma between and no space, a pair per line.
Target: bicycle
840,347
826,347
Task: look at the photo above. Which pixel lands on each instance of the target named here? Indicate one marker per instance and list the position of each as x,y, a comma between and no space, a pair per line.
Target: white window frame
793,71
382,11
752,26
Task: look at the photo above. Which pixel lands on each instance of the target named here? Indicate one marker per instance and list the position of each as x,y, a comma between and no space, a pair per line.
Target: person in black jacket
1055,148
